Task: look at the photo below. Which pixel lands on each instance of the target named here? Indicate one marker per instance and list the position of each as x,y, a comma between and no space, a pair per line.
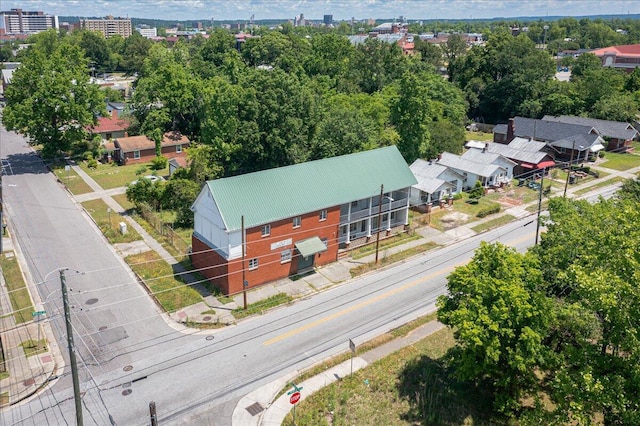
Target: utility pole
152,413
379,221
566,183
244,281
1,216
72,353
540,204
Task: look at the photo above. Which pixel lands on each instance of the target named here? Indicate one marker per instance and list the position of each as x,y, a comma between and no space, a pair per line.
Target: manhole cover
255,408
91,301
126,392
207,318
209,338
127,368
103,328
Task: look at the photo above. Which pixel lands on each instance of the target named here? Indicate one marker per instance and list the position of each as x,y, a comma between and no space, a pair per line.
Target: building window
323,215
296,221
266,230
136,155
253,263
178,149
285,256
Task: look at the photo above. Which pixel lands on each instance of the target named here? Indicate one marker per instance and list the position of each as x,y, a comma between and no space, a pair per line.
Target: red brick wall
228,277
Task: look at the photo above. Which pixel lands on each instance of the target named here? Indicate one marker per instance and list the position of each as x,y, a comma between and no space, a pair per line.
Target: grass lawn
71,180
397,239
124,202
33,347
262,305
171,293
620,161
4,398
18,293
478,136
599,185
410,387
109,222
113,176
470,210
165,239
534,207
396,257
493,223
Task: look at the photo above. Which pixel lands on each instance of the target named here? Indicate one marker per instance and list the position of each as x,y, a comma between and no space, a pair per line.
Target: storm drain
255,408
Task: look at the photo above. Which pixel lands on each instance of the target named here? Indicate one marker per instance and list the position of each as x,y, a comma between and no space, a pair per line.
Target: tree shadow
436,397
22,164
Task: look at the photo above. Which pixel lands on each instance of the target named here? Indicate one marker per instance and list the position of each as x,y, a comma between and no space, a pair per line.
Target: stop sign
295,398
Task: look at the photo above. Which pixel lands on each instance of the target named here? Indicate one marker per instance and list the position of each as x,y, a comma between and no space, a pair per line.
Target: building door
305,263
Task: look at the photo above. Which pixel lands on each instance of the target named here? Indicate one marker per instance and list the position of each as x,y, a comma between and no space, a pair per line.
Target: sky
183,10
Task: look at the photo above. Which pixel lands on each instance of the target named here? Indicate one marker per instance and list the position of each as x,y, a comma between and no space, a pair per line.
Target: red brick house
110,127
141,149
296,217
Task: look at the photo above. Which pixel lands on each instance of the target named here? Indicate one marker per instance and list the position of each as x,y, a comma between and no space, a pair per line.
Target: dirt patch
454,219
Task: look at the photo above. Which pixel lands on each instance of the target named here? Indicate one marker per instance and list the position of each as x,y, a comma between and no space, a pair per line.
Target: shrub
489,210
92,163
141,170
159,163
457,196
87,155
601,154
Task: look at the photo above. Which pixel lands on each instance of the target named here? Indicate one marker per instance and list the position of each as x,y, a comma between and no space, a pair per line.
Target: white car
151,178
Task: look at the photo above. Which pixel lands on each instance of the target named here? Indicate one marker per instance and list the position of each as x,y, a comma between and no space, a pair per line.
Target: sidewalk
25,374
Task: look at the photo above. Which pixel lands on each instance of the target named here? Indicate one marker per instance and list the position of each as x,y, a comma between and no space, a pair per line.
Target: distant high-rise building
108,26
147,31
299,21
18,21
328,19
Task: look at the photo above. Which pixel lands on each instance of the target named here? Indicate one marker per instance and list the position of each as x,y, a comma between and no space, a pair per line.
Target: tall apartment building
147,31
18,21
108,26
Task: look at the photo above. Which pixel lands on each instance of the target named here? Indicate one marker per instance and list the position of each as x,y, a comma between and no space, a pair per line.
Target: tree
204,163
500,316
179,195
430,53
50,100
143,191
584,63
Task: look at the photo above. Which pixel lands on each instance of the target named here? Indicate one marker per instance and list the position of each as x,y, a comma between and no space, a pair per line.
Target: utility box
123,228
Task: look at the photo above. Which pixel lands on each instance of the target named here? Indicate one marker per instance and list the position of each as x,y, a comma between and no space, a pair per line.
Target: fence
164,229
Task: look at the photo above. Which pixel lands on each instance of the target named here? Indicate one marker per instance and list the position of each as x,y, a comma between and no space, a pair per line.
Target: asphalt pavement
28,374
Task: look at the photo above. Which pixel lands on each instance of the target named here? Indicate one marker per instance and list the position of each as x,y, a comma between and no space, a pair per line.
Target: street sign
36,313
294,398
352,346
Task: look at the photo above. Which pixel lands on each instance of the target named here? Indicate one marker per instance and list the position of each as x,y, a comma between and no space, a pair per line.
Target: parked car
151,178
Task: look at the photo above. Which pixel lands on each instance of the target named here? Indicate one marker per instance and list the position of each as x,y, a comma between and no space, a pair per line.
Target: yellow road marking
373,300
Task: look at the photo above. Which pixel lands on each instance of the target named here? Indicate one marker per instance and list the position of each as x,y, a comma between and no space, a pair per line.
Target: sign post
294,398
37,314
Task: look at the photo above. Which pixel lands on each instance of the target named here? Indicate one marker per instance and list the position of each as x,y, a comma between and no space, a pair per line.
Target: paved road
193,377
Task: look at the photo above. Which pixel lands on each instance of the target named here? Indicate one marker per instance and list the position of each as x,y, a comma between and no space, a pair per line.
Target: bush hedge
489,210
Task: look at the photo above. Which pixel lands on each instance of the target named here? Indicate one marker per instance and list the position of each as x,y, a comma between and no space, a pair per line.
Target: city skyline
204,10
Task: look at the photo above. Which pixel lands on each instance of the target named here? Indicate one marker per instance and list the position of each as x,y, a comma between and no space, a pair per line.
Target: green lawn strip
401,331
111,175
71,180
34,347
164,240
109,222
169,291
478,136
18,292
4,375
396,257
534,207
262,305
396,240
600,184
4,398
493,223
411,386
620,161
123,201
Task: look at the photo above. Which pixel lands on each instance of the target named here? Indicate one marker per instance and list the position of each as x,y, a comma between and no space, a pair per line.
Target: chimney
511,128
126,134
114,113
439,157
484,149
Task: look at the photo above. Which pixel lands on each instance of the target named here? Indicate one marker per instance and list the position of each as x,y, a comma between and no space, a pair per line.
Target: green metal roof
310,246
275,194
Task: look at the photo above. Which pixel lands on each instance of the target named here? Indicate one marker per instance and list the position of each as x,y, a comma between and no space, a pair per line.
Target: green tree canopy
50,100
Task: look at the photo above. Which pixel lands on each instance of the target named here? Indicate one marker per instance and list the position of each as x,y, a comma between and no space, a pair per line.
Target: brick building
297,217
